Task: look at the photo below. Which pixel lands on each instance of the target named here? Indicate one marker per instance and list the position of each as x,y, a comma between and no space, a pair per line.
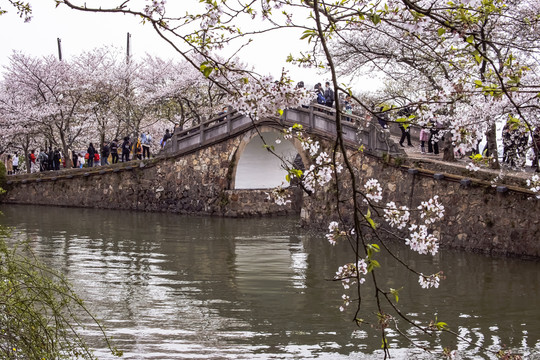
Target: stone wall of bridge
478,217
198,182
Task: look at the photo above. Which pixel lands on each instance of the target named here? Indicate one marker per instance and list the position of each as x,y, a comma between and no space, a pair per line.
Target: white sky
81,31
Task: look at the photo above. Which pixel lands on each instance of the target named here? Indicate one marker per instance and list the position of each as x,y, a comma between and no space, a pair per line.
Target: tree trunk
448,148
26,149
69,162
491,147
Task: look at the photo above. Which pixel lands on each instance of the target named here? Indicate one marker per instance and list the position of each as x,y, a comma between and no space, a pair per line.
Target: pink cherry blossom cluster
334,233
155,7
421,241
373,190
431,210
428,281
398,217
348,274
266,97
279,195
346,301
320,173
534,184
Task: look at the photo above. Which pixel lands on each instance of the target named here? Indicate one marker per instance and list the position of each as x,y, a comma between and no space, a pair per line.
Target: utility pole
59,48
128,56
128,48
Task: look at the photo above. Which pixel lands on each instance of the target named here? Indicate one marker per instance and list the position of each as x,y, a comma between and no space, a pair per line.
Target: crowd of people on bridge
516,140
429,134
109,152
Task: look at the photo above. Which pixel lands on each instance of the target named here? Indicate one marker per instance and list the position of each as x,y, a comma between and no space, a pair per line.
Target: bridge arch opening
257,168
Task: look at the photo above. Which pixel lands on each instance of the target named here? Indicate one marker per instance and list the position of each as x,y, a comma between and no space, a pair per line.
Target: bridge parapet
316,119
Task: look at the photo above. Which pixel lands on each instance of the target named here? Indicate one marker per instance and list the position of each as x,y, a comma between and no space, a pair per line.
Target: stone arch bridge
221,168
218,167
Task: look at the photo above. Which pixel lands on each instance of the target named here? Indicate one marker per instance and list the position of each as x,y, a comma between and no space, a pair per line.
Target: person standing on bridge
126,145
57,158
91,152
105,154
319,94
328,95
113,147
32,157
146,140
74,159
434,137
137,151
9,165
80,160
15,163
42,159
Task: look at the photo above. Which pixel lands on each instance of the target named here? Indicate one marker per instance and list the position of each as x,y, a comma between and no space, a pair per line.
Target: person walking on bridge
405,126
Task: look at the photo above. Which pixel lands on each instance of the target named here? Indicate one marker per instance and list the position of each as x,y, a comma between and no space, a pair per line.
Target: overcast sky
81,31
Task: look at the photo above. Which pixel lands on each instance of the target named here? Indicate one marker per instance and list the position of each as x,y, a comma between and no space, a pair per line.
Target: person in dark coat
56,159
105,154
91,152
319,94
113,148
166,137
126,147
405,126
382,118
74,158
329,95
50,161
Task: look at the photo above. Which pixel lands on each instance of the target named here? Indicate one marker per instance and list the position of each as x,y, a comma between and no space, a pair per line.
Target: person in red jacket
33,165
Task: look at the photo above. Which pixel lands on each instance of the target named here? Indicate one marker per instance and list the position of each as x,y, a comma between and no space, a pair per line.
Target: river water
177,287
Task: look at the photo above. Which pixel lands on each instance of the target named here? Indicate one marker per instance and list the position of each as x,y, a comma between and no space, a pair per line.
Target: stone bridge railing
316,119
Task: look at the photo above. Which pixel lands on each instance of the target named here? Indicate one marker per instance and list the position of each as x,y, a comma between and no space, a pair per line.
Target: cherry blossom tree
16,123
51,95
180,93
98,96
98,71
473,64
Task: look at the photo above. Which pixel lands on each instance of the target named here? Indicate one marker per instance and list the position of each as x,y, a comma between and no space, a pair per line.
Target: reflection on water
175,287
